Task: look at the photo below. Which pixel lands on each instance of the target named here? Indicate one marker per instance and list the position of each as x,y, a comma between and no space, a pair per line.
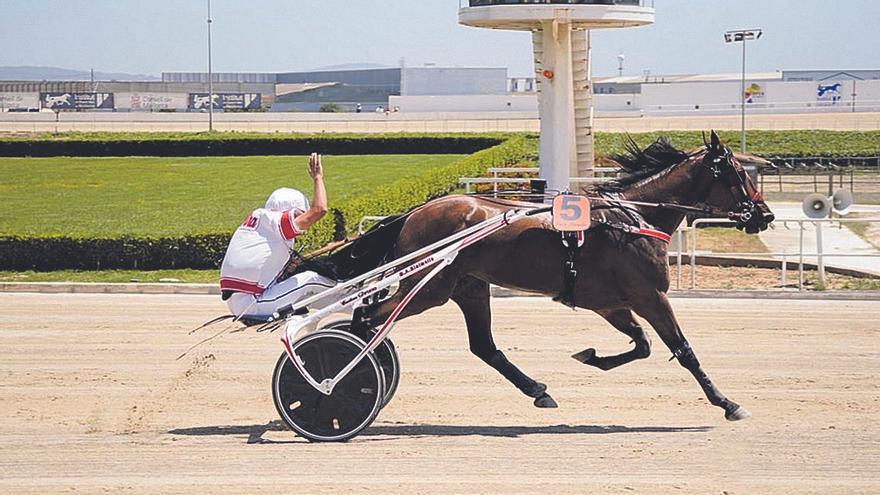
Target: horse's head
732,190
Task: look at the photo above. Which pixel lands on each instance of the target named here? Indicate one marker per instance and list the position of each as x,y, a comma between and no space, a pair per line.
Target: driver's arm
319,199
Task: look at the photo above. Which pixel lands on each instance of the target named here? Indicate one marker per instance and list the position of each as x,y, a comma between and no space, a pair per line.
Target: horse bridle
746,212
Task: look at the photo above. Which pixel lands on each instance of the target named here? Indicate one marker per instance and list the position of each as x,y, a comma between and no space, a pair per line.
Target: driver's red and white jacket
258,251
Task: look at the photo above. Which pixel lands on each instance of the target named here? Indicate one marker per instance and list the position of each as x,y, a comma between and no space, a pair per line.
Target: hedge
201,251
230,144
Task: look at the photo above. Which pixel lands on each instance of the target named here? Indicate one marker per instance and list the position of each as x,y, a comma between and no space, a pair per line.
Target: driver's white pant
279,295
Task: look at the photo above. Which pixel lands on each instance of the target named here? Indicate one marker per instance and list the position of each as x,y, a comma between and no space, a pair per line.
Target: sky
151,36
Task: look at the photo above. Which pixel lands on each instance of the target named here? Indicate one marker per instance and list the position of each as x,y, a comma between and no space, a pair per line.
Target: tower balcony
529,15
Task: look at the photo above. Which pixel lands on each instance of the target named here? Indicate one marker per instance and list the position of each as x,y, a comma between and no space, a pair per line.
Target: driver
261,247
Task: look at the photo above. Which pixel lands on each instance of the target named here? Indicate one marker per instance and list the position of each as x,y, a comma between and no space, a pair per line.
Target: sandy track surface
93,401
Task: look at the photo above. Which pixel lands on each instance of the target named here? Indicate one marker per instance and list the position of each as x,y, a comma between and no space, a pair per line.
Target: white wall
774,96
468,103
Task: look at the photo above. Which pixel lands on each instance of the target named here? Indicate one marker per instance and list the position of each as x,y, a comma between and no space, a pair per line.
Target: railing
495,180
783,258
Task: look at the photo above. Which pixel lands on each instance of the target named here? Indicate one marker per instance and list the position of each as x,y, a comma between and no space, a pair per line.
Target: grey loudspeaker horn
817,206
841,201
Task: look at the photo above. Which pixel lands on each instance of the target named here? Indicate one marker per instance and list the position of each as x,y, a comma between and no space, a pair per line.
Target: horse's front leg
657,310
622,320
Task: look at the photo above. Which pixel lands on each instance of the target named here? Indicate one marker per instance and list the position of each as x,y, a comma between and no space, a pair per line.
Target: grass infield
174,196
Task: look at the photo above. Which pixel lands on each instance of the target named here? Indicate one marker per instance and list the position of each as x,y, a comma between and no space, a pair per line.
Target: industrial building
439,89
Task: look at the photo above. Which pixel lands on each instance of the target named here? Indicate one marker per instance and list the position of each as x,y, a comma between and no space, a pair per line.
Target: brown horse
619,271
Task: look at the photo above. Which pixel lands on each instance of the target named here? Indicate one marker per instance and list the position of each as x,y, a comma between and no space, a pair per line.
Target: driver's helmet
287,199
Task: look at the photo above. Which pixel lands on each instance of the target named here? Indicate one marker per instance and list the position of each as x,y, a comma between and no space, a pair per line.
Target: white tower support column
556,102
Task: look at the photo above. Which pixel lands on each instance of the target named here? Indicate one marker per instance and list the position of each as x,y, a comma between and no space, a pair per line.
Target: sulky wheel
386,354
354,402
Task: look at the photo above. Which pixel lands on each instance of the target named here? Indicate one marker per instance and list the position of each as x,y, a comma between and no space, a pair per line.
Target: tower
561,46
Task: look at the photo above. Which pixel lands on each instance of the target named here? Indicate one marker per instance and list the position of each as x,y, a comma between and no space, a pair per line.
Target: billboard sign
19,101
77,101
155,101
225,101
829,94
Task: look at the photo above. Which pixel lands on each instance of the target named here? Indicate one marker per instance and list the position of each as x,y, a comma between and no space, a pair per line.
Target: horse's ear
716,142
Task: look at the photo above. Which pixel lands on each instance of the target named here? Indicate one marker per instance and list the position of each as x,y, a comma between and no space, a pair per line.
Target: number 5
571,213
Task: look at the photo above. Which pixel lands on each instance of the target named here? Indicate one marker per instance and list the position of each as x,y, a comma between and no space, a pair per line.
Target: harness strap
572,242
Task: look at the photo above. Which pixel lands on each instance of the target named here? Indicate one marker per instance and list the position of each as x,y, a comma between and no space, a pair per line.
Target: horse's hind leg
472,296
657,310
623,320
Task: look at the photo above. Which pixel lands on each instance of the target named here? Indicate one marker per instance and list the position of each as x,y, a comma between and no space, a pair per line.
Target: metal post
742,94
820,259
210,76
801,258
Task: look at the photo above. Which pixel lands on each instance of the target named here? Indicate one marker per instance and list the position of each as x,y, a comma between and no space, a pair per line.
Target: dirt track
92,401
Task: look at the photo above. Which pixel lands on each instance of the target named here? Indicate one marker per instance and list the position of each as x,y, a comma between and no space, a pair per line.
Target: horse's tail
369,250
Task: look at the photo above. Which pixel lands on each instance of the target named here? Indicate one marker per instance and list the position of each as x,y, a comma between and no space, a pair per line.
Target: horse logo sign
829,94
57,101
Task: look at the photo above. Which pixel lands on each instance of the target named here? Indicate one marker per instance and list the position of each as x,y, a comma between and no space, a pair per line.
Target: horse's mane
637,163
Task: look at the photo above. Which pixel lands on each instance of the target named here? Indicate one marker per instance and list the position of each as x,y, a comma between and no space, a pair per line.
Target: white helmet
287,199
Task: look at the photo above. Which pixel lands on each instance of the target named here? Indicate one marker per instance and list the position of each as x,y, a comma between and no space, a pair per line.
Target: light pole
741,36
210,76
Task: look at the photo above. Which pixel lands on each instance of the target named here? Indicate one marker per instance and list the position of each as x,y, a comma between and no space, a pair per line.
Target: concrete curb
213,289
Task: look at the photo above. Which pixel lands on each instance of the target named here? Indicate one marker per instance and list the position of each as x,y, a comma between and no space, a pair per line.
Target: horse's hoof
546,402
536,391
585,356
737,414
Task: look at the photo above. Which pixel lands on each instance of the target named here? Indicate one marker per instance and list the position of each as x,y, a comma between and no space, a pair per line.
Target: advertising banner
19,101
829,93
225,101
153,101
77,101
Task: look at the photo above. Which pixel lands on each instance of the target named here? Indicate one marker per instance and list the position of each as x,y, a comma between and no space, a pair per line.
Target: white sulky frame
438,255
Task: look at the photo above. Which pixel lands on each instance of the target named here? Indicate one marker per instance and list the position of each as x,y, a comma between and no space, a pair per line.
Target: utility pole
210,76
741,36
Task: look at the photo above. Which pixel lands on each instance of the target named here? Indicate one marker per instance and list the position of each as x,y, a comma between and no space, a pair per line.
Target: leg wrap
686,357
519,379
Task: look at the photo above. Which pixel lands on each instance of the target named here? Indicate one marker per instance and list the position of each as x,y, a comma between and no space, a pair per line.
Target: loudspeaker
841,201
817,206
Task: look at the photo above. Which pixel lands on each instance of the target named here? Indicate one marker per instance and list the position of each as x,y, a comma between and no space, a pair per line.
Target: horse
620,271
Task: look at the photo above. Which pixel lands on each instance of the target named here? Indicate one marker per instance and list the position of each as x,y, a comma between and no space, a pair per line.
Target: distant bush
331,108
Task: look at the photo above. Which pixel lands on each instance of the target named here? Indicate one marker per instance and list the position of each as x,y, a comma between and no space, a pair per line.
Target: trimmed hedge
140,253
250,145
207,250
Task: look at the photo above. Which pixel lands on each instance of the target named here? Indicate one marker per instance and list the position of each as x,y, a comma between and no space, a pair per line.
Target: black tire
385,353
354,402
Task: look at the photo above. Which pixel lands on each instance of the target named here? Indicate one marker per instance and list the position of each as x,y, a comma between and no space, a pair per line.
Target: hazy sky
149,36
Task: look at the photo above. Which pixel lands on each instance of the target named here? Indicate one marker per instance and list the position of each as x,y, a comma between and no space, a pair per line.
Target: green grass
174,196
113,276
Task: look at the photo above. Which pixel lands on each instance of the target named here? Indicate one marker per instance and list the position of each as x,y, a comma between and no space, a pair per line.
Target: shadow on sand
255,432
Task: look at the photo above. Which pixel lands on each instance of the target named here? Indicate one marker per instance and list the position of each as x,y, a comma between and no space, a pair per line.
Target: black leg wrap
686,357
519,379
